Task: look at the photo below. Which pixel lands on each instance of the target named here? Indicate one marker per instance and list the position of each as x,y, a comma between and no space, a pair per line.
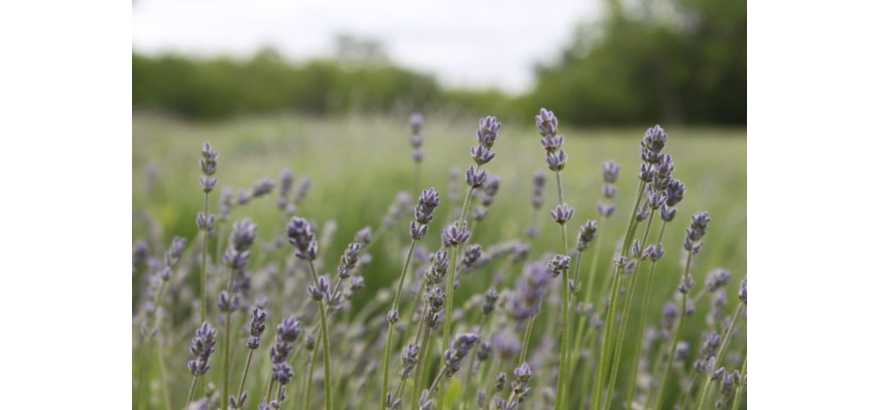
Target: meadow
361,173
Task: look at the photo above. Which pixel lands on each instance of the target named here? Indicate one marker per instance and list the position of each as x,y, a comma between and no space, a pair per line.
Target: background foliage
671,61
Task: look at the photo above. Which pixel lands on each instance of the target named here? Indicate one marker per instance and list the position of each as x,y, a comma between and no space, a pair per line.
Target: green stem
163,371
525,343
638,345
227,343
424,373
192,391
627,305
582,320
422,340
566,314
450,285
416,175
204,294
671,359
739,386
719,357
609,316
328,382
247,366
269,389
312,358
470,367
394,305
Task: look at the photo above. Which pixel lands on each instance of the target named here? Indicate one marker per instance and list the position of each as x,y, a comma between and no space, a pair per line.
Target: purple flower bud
655,139
226,304
480,213
481,155
475,178
282,373
546,122
439,266
656,252
558,264
606,210
207,183
205,223
356,283
562,214
244,233
409,359
286,183
461,346
417,231
471,255
642,214
716,279
258,325
500,381
675,192
202,348
454,237
610,172
523,373
556,160
416,123
646,174
418,156
488,131
636,249
742,291
489,301
484,351
302,190
656,200
238,403
302,237
609,191
243,197
263,187
393,316
428,201
364,236
667,213
425,401
670,312
435,298
686,284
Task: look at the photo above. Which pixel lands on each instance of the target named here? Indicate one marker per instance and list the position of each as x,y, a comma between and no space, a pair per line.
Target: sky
464,43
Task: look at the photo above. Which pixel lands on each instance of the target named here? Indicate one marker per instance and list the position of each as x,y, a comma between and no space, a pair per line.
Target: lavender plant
510,322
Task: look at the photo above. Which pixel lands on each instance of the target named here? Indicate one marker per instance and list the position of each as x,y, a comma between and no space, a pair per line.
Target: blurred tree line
644,61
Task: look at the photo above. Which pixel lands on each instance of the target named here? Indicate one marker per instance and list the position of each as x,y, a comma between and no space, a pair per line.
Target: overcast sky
465,43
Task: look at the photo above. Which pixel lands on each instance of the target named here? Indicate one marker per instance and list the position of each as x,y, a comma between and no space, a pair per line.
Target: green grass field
358,165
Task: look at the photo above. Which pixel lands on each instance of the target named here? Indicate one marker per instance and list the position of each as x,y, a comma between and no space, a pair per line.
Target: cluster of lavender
489,363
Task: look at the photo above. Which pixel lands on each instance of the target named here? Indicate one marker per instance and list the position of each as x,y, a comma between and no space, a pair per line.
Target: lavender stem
598,386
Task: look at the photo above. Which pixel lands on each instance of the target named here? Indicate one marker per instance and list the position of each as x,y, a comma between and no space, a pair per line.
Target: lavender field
305,263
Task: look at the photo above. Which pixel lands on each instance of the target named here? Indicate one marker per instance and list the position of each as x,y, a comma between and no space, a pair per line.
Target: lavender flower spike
302,237
455,237
202,348
488,131
428,201
460,348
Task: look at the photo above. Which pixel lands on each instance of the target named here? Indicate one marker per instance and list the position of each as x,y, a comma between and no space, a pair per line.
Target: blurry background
325,89
592,62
